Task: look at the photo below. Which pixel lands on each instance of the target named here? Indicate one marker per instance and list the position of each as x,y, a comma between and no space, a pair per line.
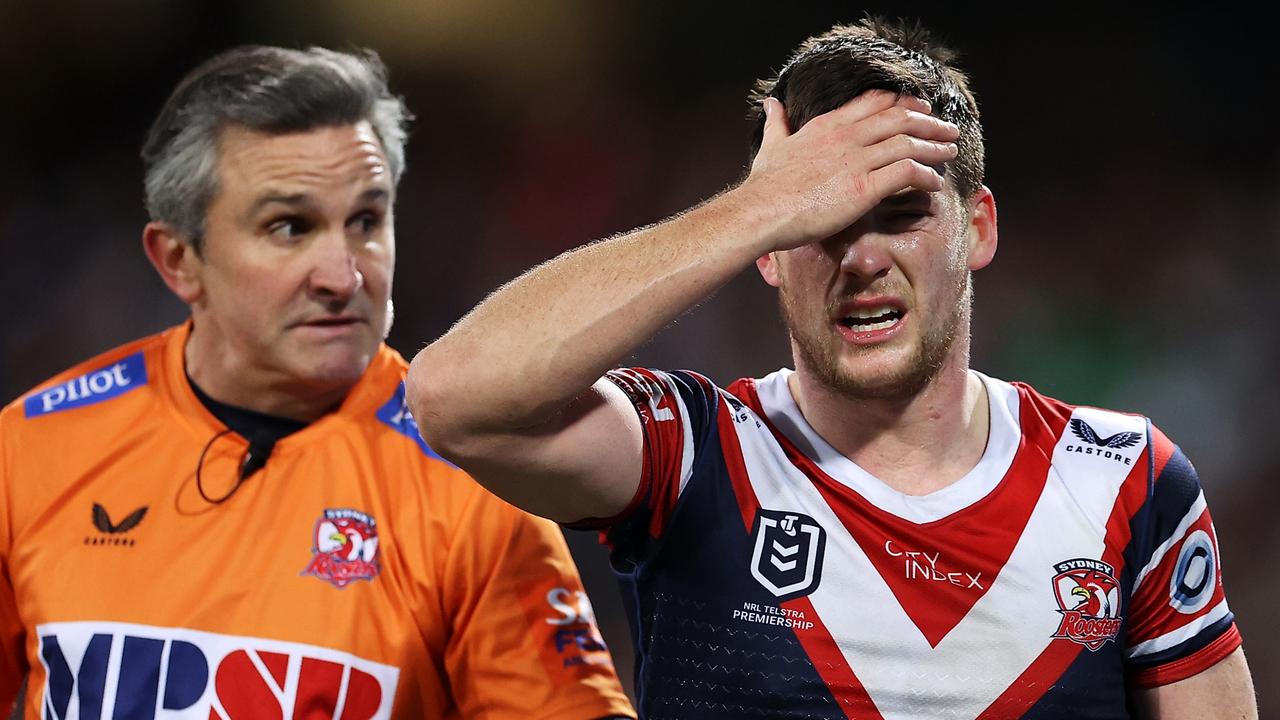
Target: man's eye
366,223
288,228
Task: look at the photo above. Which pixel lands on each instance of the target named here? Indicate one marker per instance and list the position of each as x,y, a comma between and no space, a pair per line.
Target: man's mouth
332,321
871,319
331,326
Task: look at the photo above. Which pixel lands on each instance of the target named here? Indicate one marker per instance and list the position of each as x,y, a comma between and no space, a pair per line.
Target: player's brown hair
831,69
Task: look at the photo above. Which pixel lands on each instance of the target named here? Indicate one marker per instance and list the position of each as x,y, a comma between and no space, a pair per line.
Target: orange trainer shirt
357,575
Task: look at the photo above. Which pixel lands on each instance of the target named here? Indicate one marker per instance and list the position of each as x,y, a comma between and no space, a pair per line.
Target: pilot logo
1089,599
102,521
91,388
787,559
345,547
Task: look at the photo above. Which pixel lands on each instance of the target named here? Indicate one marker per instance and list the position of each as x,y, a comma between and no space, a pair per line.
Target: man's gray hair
267,89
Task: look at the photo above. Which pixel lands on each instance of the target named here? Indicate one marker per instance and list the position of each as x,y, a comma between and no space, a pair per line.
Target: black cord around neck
200,479
255,458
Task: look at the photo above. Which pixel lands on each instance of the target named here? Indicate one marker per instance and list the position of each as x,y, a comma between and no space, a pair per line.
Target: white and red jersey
769,576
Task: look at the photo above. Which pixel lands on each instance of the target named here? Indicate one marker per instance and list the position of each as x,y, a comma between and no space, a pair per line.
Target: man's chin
333,367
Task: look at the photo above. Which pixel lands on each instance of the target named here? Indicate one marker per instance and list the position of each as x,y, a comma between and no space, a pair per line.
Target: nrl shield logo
787,559
1089,599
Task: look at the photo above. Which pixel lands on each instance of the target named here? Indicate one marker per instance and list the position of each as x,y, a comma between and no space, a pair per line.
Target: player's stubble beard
820,349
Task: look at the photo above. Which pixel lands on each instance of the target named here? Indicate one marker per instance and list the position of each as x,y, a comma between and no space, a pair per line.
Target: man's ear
768,267
982,235
175,259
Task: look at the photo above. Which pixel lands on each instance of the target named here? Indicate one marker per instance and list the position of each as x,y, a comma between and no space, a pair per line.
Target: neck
916,445
228,378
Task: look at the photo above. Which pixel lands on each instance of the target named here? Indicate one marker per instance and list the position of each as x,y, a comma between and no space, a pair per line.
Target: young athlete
237,517
882,531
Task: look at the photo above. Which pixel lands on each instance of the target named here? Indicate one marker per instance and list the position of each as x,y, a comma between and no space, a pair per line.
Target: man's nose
334,273
864,255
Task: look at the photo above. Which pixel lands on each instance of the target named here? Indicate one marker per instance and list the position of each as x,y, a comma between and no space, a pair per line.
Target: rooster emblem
1089,600
1097,593
345,547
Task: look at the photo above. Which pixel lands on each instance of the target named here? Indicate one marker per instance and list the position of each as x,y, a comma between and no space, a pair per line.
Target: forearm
540,341
1223,692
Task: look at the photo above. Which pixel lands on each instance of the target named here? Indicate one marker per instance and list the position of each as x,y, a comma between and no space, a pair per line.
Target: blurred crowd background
1133,155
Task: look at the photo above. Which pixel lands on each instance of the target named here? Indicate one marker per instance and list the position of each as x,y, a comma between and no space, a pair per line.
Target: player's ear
175,259
768,267
982,235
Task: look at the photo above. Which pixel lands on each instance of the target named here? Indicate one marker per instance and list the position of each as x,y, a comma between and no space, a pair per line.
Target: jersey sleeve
1179,622
524,643
13,666
677,416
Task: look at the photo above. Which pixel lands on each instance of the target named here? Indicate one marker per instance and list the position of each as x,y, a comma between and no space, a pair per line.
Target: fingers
898,176
909,147
775,122
901,120
873,102
841,164
879,114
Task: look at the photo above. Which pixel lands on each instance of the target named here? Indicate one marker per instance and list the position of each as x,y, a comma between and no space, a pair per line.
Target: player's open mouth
865,320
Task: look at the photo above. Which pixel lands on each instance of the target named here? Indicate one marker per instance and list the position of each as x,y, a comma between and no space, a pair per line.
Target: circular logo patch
1195,575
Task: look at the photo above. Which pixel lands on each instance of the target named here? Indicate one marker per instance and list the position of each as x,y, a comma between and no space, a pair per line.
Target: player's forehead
324,159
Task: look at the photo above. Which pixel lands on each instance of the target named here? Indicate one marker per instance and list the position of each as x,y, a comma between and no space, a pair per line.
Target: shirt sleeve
524,642
13,665
1179,621
677,413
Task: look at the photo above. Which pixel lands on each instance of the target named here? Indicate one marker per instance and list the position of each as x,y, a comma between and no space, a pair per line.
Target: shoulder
1053,410
73,421
1089,425
100,379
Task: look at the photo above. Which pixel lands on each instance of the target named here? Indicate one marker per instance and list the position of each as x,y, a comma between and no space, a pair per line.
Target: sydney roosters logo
1089,599
345,547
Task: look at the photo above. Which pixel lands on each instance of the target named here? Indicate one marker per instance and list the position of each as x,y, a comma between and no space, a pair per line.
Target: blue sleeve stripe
395,413
1186,648
1176,491
700,399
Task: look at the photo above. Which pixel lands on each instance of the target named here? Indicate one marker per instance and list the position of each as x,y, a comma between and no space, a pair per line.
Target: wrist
747,220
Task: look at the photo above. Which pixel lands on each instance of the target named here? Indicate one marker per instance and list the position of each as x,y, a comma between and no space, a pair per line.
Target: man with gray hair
238,517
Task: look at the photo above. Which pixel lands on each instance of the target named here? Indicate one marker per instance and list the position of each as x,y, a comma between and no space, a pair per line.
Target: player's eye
288,228
903,220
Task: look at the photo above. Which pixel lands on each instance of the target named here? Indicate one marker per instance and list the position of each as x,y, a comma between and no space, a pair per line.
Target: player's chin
882,372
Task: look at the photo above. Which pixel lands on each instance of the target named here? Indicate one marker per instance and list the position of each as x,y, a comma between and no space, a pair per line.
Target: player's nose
866,257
